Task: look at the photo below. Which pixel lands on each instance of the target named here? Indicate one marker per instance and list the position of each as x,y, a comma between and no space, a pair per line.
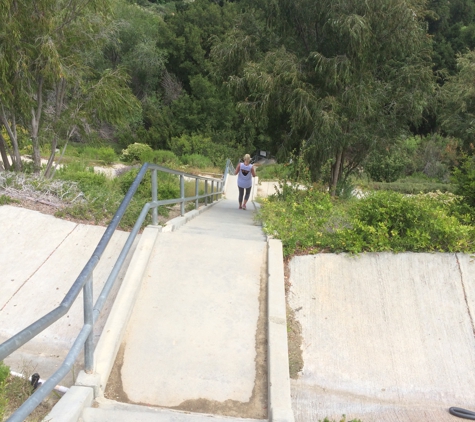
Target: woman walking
245,172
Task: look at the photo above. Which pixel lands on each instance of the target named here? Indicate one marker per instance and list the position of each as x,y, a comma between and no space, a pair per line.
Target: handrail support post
154,197
89,319
197,185
182,195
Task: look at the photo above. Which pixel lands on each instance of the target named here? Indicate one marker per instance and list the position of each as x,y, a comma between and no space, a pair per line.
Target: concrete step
115,412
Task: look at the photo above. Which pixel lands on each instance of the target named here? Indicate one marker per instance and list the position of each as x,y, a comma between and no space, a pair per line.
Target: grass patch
5,200
14,391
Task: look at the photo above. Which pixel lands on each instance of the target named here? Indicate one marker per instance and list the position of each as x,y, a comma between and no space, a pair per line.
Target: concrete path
40,258
385,337
191,340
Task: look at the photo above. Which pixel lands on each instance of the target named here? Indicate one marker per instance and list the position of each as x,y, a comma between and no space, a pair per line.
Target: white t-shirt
245,176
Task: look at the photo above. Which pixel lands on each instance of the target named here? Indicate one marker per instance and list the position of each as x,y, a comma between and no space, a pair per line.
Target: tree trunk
60,90
336,172
49,165
35,127
12,133
3,153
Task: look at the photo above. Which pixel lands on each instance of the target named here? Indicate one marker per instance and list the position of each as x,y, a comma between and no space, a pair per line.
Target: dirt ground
294,332
255,408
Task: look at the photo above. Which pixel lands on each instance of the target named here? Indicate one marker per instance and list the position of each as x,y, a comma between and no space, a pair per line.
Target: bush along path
310,221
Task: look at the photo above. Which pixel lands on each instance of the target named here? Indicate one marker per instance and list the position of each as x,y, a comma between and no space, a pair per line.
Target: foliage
297,217
324,71
134,152
83,175
48,81
385,168
4,374
410,187
272,171
380,221
464,179
5,200
196,160
457,101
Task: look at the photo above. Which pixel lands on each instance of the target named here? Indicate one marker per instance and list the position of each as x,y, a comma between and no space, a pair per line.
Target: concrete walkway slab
385,337
38,266
192,335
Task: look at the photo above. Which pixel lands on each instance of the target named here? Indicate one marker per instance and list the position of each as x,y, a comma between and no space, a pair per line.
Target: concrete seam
465,294
43,263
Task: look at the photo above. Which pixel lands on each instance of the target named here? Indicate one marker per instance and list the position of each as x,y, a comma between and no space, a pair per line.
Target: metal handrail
85,279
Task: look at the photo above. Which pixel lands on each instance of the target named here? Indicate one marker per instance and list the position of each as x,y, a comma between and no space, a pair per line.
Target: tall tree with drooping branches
339,77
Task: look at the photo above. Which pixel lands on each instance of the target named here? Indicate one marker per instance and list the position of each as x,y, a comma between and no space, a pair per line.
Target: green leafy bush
381,221
161,157
85,176
297,217
134,152
107,155
464,179
273,171
409,188
389,221
196,160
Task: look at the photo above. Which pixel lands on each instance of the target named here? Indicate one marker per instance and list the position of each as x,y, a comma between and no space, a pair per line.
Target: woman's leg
246,198
241,195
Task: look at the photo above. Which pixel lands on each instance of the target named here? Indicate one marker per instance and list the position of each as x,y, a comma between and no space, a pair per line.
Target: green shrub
464,179
196,160
273,171
85,176
161,157
382,221
168,186
297,217
107,155
386,167
389,221
134,152
409,188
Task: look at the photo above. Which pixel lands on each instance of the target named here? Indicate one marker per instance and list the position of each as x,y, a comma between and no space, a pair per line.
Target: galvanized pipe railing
84,281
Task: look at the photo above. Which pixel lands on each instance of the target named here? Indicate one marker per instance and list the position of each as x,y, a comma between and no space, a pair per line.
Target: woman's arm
253,171
237,169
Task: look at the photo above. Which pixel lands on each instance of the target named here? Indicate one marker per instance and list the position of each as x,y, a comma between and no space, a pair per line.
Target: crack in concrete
40,266
465,294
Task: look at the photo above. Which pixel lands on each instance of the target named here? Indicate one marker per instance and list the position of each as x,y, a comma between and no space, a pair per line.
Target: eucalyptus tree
334,79
44,63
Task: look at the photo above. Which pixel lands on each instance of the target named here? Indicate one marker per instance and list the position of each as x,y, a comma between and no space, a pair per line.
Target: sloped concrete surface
385,337
193,330
40,258
109,411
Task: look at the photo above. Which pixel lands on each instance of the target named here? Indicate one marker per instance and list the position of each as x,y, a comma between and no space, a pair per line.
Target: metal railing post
89,319
154,197
212,191
197,185
182,195
206,192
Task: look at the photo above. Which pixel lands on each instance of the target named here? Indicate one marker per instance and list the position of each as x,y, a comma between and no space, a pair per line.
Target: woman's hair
246,158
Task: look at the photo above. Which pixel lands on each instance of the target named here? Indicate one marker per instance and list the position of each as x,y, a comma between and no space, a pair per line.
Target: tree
44,47
342,77
457,102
